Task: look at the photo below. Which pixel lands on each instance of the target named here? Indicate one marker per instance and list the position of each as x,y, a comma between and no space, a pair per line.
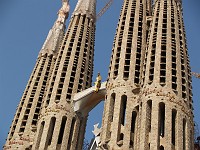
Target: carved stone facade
45,118
148,98
149,101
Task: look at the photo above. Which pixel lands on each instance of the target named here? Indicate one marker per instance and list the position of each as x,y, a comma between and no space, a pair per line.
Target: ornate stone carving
170,97
54,109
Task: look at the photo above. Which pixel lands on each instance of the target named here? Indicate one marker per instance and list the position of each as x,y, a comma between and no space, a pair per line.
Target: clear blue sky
24,26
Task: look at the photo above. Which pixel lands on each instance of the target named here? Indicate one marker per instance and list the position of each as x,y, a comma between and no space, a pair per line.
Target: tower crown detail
56,33
86,7
63,13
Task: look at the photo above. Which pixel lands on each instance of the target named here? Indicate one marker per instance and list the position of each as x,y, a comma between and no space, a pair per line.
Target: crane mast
104,9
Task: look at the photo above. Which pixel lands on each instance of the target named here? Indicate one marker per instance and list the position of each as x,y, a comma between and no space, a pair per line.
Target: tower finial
57,31
63,12
86,7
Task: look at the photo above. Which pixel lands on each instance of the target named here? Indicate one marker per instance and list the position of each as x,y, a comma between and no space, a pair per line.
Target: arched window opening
162,119
71,134
174,126
133,121
51,129
184,134
62,128
133,125
121,137
40,134
149,112
112,105
123,109
161,147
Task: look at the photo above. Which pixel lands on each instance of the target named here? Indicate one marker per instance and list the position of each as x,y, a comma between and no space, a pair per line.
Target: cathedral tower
121,119
148,98
23,128
58,126
45,118
166,98
149,101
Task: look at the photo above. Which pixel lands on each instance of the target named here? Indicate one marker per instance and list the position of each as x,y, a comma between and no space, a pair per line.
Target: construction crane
197,75
104,9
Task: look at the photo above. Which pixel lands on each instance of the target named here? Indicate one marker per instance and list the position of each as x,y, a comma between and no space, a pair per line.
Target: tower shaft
167,119
59,127
120,129
23,128
148,103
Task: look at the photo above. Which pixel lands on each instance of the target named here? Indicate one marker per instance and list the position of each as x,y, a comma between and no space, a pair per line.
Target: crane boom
197,75
104,9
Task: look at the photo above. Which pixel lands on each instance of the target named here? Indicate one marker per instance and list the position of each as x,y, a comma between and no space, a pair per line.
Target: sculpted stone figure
98,82
63,12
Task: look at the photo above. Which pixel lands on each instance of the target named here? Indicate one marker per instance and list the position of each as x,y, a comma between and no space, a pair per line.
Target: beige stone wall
23,127
64,67
72,73
156,112
122,110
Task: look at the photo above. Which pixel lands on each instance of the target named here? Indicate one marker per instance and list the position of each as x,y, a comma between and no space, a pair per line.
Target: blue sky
24,26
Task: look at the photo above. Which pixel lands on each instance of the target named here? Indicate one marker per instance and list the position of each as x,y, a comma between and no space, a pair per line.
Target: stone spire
59,127
86,7
23,128
120,128
166,96
148,103
56,33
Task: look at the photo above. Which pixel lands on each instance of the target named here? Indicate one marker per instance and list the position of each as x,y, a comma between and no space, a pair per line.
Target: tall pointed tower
58,126
149,106
121,119
148,102
166,98
23,128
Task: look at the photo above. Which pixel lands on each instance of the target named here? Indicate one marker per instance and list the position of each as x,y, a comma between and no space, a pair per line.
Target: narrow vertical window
40,135
62,128
71,133
174,127
149,112
112,105
134,115
123,109
133,123
122,115
111,112
184,134
162,119
50,131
